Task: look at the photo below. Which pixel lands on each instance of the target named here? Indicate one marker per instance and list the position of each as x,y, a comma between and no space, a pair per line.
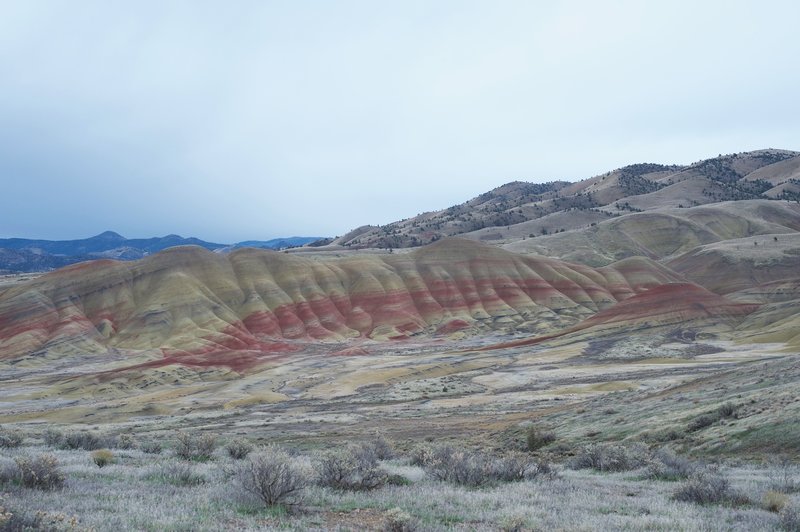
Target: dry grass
143,491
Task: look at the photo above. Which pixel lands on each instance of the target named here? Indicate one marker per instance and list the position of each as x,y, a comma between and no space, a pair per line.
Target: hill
521,210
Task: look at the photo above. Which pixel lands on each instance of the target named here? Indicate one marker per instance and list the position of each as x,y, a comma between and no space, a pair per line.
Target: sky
237,120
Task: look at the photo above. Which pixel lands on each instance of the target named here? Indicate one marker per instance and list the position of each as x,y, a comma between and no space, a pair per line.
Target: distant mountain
27,255
278,243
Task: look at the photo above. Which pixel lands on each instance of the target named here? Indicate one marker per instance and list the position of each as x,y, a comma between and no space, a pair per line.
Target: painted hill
191,304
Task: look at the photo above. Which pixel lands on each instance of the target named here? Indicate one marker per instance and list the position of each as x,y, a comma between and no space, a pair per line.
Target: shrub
477,468
790,519
177,474
774,501
198,448
52,437
126,441
354,468
513,523
270,476
727,410
708,487
150,447
10,439
666,465
421,455
9,472
87,441
537,438
383,448
783,476
239,449
398,520
701,422
40,472
610,457
102,457
5,515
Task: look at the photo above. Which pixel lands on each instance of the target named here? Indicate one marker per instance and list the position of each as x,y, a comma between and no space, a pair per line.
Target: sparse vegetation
238,449
150,447
87,441
271,476
177,474
102,457
354,468
709,487
611,457
537,438
10,439
40,472
197,447
398,520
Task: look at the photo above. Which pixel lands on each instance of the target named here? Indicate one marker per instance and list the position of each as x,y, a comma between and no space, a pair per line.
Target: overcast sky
236,120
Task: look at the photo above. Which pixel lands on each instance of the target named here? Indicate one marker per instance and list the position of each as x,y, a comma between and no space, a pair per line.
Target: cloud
257,119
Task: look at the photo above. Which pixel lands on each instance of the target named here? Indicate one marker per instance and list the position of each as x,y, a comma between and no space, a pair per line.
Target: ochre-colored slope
194,305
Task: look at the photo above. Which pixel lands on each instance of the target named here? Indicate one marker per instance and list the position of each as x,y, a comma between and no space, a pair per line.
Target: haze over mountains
26,255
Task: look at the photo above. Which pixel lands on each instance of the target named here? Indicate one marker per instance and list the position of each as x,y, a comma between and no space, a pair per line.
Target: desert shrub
774,501
40,472
354,468
150,447
5,515
198,448
10,439
538,438
420,455
513,523
666,465
238,449
610,457
783,476
383,448
9,472
102,457
88,441
472,468
177,474
52,437
126,441
702,421
398,520
727,410
271,476
790,518
708,487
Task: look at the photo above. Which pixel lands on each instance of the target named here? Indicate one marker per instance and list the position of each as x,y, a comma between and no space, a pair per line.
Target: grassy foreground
200,483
